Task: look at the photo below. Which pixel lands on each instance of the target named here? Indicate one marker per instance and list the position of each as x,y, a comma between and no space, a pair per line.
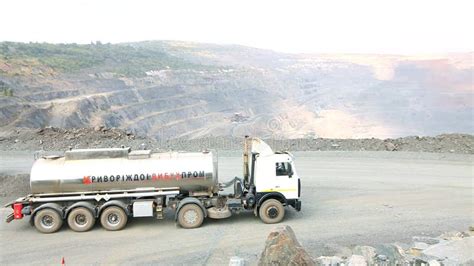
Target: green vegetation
8,92
122,59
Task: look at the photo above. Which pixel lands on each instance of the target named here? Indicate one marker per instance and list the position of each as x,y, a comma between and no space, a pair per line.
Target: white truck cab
272,178
277,173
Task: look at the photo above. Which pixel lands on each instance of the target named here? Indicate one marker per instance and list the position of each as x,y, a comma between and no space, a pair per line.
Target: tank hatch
84,154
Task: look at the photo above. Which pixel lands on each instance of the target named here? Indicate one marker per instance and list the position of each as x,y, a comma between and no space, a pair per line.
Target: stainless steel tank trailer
113,185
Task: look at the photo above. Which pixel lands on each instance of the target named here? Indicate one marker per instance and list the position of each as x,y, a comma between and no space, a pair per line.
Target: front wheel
48,221
190,216
271,211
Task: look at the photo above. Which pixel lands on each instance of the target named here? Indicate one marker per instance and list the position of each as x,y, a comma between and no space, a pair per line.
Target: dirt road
348,198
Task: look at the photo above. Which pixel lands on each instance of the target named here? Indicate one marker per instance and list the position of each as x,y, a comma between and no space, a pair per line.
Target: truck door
286,181
275,174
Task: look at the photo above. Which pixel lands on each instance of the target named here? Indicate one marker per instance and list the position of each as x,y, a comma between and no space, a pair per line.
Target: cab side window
283,169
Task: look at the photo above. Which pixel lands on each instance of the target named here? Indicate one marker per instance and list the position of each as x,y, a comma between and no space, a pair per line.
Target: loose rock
369,253
357,260
454,252
282,248
329,261
453,235
236,261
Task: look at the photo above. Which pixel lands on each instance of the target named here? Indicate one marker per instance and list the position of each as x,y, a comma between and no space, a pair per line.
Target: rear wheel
271,211
48,221
113,218
81,219
190,216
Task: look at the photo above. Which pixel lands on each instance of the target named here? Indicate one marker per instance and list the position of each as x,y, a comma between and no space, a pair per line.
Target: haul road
113,185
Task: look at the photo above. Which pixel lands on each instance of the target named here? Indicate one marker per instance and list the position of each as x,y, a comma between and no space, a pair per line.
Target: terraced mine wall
167,90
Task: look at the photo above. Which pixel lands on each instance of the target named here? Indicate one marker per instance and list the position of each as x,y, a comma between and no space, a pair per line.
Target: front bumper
295,203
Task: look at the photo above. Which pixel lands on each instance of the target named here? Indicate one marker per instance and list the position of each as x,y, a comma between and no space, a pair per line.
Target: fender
188,201
117,203
262,196
58,208
84,204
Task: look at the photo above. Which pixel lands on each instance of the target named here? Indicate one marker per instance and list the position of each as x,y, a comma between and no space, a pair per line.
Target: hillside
170,90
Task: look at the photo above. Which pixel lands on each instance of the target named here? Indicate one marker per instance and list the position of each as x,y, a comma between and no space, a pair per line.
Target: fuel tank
121,169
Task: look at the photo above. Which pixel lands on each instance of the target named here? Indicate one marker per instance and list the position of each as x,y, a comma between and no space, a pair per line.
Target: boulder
368,252
282,248
394,254
453,235
329,261
236,261
390,146
434,263
336,250
357,260
453,252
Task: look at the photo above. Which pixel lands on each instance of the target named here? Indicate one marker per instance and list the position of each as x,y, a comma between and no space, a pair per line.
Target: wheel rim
80,219
113,218
190,216
272,212
47,221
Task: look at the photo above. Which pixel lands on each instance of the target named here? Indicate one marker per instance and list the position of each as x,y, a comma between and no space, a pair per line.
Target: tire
48,221
271,211
113,218
80,219
190,216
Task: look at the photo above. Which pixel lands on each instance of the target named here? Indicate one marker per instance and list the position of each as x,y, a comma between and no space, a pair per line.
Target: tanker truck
113,185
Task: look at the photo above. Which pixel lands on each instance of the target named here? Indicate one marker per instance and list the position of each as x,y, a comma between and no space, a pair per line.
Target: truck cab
277,174
272,178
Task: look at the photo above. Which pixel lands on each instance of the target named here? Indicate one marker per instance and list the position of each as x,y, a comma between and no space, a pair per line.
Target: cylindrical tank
120,169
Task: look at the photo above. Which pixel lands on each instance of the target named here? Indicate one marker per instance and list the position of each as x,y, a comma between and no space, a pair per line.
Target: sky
298,26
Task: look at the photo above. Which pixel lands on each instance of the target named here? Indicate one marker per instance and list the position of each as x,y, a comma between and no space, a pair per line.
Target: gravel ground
13,187
349,198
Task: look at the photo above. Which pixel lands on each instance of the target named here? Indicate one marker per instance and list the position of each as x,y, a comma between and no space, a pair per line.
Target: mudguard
84,204
54,206
261,197
118,203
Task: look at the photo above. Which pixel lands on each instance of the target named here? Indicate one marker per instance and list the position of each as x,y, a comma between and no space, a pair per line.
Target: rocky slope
59,139
176,90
